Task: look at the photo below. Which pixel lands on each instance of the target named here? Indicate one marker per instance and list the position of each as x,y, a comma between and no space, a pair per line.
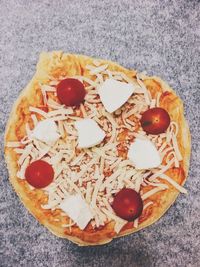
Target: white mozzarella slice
144,154
114,94
46,131
77,209
89,133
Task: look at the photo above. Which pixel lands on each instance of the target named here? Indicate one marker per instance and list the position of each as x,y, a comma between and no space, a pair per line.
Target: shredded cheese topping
98,173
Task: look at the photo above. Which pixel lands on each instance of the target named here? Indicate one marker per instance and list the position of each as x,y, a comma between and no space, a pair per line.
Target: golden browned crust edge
172,195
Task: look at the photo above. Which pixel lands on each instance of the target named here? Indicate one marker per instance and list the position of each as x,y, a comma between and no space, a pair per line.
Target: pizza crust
53,65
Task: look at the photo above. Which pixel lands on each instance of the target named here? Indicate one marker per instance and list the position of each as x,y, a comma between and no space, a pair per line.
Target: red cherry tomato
128,204
155,120
71,92
39,174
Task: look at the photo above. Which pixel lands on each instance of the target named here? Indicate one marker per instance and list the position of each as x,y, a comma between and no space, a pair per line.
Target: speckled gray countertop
161,37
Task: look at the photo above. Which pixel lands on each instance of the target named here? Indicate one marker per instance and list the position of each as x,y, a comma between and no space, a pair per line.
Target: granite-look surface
161,37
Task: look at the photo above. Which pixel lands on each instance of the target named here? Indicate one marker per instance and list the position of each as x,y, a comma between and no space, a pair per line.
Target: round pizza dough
56,64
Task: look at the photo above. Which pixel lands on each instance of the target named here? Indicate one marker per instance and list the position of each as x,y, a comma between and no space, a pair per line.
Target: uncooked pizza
96,151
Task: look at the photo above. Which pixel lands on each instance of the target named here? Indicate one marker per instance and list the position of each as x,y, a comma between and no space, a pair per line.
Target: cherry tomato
128,204
155,120
39,174
71,92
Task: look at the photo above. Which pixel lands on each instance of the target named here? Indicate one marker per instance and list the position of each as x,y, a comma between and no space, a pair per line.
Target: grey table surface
161,37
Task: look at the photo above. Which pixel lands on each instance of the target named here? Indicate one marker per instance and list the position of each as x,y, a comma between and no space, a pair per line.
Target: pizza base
55,64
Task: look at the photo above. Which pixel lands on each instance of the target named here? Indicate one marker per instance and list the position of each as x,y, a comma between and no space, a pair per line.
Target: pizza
96,151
